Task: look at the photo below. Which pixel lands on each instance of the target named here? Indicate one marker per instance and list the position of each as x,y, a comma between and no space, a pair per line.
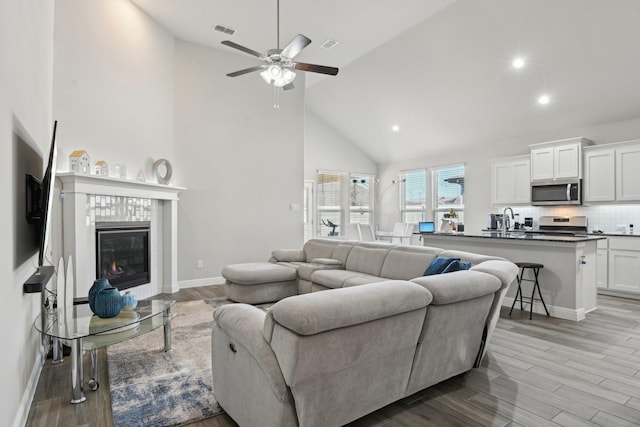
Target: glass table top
78,321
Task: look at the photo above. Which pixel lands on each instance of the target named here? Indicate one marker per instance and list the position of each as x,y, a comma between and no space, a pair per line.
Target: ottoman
260,282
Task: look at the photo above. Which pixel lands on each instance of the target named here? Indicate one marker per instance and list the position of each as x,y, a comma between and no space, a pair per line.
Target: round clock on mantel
162,170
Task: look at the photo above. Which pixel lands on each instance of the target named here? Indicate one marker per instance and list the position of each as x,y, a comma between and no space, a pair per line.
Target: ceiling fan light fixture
278,75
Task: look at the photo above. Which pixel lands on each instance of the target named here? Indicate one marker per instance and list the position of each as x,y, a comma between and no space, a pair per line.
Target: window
331,195
343,199
413,195
361,199
448,192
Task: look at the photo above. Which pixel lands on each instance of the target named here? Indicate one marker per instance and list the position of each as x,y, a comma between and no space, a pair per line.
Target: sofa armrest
243,324
317,312
505,270
458,286
289,255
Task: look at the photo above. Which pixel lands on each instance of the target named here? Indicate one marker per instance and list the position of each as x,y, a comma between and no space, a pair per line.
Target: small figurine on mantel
102,168
80,161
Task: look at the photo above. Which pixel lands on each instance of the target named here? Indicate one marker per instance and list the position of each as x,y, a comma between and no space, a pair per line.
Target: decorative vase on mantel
98,285
108,303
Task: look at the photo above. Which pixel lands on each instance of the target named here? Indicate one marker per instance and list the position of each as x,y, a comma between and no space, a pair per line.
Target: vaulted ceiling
441,70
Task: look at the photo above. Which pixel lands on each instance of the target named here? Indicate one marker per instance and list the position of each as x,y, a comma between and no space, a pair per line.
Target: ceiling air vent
328,44
223,29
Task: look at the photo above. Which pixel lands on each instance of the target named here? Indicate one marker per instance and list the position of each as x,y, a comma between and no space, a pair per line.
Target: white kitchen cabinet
510,180
624,264
599,174
557,159
628,172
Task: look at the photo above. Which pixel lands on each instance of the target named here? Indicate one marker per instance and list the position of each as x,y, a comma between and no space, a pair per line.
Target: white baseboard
559,312
194,283
27,397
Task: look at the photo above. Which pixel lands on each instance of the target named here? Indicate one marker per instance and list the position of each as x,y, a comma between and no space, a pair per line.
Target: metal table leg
167,330
93,381
77,379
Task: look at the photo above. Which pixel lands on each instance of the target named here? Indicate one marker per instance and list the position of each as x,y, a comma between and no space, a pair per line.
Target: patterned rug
152,388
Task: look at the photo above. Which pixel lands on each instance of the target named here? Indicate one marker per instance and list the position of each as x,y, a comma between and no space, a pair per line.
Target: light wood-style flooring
540,372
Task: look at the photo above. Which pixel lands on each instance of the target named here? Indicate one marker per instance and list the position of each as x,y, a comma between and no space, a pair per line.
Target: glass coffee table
78,327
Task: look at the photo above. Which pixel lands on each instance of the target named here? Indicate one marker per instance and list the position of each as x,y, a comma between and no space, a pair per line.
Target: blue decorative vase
129,301
108,303
98,285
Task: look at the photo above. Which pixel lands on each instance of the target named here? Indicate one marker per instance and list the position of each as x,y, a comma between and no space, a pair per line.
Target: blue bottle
108,303
98,285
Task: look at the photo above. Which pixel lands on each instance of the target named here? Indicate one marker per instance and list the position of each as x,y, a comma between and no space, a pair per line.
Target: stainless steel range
567,225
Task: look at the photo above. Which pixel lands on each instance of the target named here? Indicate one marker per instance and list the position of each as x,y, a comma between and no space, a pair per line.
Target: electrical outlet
199,264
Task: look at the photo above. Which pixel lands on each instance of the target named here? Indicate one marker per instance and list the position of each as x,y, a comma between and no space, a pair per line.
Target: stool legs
537,286
519,295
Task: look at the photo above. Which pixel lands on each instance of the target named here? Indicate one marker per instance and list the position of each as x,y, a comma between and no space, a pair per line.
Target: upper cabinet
599,174
611,172
510,182
557,159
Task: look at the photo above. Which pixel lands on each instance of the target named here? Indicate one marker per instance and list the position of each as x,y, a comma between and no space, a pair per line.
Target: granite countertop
614,234
516,235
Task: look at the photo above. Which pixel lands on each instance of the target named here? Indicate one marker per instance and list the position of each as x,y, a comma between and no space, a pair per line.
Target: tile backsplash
608,218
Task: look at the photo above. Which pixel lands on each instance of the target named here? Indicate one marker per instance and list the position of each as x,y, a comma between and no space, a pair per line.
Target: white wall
113,85
326,149
26,64
478,173
241,160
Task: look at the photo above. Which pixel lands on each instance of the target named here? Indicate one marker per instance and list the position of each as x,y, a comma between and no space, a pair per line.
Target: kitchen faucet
504,219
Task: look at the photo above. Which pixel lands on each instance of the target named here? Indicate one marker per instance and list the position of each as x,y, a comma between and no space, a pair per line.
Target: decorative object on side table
162,170
98,285
129,301
108,303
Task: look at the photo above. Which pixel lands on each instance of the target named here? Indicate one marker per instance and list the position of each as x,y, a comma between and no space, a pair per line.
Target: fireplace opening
122,253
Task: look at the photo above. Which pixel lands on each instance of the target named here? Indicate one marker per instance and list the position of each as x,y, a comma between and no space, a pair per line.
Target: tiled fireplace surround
88,199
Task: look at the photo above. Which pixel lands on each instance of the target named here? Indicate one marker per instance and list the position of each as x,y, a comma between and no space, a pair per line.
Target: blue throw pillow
438,265
456,266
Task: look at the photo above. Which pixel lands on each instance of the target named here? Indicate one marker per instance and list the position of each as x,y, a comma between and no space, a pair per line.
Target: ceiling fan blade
315,68
295,46
246,70
242,48
288,87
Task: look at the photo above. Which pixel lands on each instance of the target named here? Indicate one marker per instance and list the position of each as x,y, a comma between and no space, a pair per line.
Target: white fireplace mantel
73,182
79,228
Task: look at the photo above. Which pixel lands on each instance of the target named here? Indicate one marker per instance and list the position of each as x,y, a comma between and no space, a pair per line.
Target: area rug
152,388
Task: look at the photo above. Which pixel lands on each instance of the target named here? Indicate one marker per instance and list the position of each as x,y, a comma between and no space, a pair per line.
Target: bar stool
536,285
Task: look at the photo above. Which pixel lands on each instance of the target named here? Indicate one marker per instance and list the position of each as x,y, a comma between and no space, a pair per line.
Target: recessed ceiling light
518,62
395,128
544,99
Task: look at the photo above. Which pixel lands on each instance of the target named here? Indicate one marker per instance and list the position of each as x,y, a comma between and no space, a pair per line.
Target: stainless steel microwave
554,193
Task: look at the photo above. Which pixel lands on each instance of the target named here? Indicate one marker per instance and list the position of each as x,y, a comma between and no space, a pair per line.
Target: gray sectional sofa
380,332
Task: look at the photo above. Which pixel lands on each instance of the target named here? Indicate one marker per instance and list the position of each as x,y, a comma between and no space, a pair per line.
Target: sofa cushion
336,278
439,265
317,248
456,265
366,259
407,262
254,273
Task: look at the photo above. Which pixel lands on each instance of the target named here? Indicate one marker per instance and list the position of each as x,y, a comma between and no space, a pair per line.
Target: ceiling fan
278,66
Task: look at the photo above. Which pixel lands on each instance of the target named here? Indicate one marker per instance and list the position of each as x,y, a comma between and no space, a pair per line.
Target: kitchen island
568,279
